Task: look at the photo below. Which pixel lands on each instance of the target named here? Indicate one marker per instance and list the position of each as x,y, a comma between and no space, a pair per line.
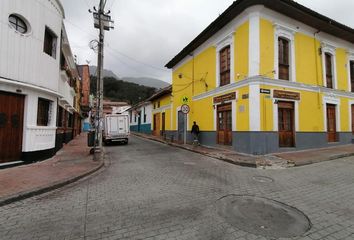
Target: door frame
334,101
275,114
293,125
336,138
217,122
21,132
350,103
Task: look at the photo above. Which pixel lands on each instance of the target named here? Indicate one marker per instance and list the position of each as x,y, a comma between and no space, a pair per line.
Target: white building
140,117
30,82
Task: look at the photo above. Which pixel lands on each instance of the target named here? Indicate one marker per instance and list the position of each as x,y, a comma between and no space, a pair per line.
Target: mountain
145,81
150,82
106,73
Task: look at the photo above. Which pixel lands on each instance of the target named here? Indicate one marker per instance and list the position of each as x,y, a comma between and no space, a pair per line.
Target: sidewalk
305,157
71,163
275,160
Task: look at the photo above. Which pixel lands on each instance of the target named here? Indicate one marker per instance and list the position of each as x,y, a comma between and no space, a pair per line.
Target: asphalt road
152,191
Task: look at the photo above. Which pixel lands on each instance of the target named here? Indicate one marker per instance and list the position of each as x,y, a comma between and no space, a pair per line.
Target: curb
339,156
228,160
40,190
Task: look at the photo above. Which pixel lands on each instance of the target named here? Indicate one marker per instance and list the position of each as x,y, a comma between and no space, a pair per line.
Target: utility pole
103,22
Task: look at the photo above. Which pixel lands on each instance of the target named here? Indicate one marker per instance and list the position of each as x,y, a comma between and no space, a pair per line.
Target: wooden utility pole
103,22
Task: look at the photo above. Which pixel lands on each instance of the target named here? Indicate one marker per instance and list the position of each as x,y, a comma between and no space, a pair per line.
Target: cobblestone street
153,191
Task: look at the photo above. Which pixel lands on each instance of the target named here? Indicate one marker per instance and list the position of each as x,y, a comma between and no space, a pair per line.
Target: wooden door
331,123
157,124
11,126
224,126
286,124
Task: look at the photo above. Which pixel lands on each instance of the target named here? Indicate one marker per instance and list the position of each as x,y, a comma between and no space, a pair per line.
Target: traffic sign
185,100
185,109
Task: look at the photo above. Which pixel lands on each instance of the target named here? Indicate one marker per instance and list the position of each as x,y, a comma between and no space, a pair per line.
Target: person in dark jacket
195,133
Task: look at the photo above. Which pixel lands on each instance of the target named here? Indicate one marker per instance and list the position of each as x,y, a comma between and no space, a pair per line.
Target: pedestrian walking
195,133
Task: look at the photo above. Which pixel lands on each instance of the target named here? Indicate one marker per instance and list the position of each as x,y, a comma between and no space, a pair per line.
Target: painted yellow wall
167,119
342,73
204,71
242,117
344,115
310,110
266,48
203,114
241,51
307,60
266,111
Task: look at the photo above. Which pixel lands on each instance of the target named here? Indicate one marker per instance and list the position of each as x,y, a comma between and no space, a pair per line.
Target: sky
149,33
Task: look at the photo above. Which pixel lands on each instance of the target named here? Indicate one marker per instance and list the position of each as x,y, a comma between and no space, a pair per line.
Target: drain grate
263,216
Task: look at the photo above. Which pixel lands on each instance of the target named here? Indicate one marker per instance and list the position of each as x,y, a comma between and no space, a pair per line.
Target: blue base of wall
259,143
143,128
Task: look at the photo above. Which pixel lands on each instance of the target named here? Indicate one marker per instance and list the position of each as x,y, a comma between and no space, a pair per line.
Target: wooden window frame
284,58
225,71
329,70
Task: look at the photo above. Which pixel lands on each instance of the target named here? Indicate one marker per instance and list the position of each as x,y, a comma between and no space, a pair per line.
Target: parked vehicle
116,128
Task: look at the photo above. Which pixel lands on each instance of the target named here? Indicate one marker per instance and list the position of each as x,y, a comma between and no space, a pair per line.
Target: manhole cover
263,216
263,179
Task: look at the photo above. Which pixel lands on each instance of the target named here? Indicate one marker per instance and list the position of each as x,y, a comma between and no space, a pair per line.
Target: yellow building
267,76
161,111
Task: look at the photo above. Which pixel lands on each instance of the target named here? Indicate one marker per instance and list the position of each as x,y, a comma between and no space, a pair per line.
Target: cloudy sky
148,33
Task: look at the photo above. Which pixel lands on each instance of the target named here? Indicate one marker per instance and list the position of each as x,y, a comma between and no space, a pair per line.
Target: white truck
116,128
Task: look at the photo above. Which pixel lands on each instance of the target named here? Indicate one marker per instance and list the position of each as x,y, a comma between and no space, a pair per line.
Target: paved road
153,191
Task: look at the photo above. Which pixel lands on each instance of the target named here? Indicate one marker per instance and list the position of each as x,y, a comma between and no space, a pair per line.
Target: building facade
267,76
161,112
84,72
68,110
140,117
29,77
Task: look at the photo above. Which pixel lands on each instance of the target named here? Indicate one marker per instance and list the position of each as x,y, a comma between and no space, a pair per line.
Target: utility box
91,138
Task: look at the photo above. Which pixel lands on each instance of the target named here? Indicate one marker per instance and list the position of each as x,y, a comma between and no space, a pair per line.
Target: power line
140,62
125,55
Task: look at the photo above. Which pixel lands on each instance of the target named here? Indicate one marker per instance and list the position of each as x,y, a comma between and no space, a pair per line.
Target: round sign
185,108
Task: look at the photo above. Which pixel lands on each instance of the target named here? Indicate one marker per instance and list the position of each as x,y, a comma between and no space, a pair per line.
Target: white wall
27,70
148,110
21,55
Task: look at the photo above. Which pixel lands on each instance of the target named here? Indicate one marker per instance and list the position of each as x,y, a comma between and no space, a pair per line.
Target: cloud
151,32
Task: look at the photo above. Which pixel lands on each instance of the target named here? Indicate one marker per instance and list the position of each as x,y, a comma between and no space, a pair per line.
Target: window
17,23
135,117
351,67
43,112
283,58
225,66
50,43
158,104
60,117
70,120
328,68
144,115
130,116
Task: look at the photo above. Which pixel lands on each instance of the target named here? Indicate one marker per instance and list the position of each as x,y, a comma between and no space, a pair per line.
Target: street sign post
185,110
